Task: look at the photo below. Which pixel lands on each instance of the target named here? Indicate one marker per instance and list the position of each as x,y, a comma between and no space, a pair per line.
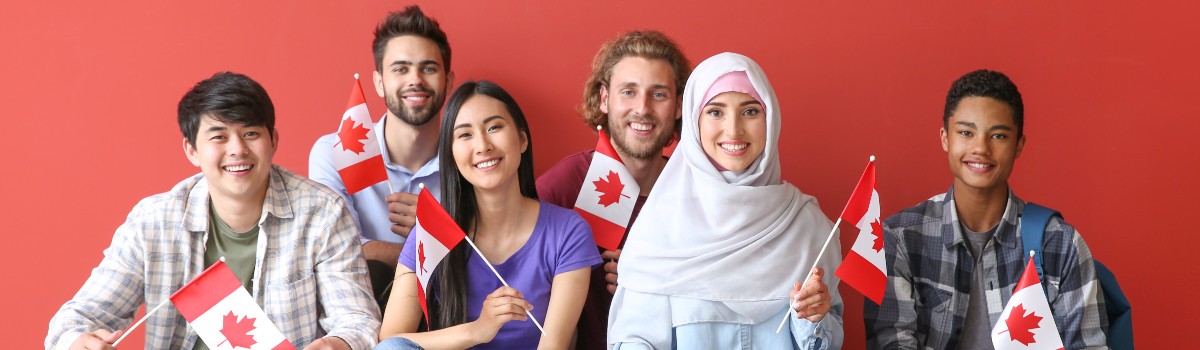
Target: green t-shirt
238,248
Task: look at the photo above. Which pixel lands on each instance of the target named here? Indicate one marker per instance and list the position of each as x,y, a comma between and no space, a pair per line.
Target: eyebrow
485,121
216,128
994,127
744,103
652,86
409,63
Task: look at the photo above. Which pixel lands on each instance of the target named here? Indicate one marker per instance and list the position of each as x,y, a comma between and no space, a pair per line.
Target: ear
604,100
449,83
945,140
1020,145
190,152
377,78
275,139
524,141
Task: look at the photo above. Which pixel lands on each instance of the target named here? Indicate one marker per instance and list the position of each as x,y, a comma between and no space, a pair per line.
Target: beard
415,116
635,149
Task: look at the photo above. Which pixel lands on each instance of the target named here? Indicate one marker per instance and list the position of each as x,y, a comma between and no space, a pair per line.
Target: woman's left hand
814,300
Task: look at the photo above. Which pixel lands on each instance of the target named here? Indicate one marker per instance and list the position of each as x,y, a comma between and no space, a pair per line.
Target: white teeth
487,163
978,165
239,167
415,98
641,126
737,147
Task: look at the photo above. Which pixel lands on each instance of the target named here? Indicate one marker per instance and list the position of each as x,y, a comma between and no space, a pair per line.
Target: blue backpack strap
1033,227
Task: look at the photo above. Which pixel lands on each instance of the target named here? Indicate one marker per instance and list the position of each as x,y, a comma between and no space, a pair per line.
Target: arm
108,299
567,293
1079,309
893,325
382,251
403,316
349,311
817,324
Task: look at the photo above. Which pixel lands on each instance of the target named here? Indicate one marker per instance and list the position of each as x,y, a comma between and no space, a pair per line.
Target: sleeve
578,248
893,325
828,333
560,184
407,257
111,295
321,170
349,311
1079,306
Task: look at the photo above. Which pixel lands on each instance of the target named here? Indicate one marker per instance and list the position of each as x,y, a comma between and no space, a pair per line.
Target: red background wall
90,88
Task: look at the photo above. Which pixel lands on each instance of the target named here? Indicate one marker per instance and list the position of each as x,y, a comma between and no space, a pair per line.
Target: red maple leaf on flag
351,136
877,230
610,188
236,332
1020,325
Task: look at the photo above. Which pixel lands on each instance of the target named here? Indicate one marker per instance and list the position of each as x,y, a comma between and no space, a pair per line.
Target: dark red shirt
560,186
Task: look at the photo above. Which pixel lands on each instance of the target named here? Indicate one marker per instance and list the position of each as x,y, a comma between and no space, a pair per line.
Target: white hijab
716,246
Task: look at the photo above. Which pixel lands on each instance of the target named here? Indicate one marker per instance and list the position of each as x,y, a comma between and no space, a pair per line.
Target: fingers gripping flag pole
436,234
862,206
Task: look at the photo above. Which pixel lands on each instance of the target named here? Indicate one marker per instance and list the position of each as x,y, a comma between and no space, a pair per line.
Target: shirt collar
430,167
1005,234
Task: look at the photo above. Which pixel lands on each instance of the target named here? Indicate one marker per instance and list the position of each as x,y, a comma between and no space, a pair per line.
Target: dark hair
411,21
986,83
458,197
228,97
647,44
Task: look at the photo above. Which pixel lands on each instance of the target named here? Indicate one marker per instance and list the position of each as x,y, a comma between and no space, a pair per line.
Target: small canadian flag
356,155
608,195
865,266
224,315
436,234
1026,322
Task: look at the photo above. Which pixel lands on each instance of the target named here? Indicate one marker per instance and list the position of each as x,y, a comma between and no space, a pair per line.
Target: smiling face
733,130
982,145
641,105
413,80
235,158
487,144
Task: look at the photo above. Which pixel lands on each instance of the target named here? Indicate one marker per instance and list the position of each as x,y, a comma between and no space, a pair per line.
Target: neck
980,209
240,215
502,211
645,171
410,146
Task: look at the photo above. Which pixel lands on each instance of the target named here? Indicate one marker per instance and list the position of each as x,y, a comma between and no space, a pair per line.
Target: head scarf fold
711,245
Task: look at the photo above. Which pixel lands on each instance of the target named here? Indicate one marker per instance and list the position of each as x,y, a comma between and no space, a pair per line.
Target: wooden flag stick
139,322
791,310
489,265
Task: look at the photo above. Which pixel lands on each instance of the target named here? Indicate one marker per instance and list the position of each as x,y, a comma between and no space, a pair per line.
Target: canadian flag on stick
224,315
436,234
1026,322
864,267
357,156
608,194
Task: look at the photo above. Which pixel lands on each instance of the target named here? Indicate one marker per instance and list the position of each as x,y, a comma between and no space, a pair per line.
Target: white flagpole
493,268
489,265
139,322
791,310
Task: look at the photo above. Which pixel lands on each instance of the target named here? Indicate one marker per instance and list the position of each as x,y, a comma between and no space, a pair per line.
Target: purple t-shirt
561,242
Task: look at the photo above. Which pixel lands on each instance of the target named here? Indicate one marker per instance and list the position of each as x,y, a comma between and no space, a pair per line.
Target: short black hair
411,21
228,97
986,83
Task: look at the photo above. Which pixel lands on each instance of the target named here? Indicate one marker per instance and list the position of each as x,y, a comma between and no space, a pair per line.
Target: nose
237,147
483,144
413,79
980,146
641,105
733,126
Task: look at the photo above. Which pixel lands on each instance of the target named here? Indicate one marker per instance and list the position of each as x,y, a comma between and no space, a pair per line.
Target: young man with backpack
954,259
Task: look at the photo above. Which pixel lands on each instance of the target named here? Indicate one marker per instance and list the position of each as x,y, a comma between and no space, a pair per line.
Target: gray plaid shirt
309,276
929,279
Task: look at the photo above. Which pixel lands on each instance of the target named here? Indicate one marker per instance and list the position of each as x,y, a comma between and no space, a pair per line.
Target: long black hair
458,197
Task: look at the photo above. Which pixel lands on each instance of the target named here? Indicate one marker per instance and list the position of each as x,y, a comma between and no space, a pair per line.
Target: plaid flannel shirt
929,270
310,277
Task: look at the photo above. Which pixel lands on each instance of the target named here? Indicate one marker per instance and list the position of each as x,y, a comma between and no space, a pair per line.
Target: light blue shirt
369,206
802,334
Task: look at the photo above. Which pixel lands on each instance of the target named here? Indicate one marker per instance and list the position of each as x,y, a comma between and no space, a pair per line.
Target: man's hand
402,208
328,343
98,340
610,268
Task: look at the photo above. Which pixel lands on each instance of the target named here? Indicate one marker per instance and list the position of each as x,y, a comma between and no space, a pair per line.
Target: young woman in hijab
714,262
543,251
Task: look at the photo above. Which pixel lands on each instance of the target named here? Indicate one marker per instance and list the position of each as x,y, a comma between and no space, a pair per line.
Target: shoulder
929,210
323,145
304,192
572,165
556,216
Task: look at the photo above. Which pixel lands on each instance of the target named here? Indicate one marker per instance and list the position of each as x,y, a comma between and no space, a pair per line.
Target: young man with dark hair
634,92
290,241
954,259
412,75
